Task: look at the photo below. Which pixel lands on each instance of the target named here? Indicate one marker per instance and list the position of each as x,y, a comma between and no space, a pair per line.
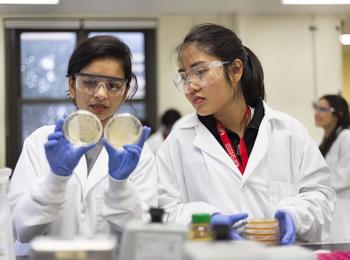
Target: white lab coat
80,205
338,159
285,170
155,141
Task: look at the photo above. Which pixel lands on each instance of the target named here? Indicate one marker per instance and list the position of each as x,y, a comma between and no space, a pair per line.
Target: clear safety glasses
322,109
89,84
202,75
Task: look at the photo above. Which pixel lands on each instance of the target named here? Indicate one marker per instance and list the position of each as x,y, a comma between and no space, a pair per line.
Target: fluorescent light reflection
29,2
315,2
344,39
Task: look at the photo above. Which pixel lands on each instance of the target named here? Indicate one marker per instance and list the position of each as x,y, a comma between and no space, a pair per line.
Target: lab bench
318,247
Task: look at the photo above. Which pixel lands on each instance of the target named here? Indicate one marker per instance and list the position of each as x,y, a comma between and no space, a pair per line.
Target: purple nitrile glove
63,156
229,220
123,161
287,227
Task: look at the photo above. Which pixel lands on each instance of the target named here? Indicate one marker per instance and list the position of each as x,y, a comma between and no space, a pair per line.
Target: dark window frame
14,101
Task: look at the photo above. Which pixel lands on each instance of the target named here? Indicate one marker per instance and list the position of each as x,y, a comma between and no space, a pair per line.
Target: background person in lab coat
236,155
61,190
167,121
332,114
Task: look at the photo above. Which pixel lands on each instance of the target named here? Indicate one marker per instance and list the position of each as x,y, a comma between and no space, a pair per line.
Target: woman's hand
63,156
123,161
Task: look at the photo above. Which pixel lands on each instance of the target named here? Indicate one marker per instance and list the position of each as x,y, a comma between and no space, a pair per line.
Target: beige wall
346,75
297,69
284,45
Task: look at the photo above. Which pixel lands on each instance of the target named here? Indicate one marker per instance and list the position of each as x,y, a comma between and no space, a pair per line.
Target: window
36,65
43,96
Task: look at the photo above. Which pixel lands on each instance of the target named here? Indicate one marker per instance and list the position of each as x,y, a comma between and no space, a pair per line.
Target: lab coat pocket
279,191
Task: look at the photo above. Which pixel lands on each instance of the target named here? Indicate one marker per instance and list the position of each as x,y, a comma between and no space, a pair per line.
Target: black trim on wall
151,81
13,126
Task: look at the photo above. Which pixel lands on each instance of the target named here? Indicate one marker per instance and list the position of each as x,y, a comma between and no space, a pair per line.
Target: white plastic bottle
7,250
153,241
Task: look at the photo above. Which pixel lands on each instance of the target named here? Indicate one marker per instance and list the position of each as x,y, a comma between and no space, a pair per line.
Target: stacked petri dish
265,231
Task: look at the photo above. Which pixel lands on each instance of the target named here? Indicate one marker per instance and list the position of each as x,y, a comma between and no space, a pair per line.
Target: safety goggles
202,75
322,109
90,83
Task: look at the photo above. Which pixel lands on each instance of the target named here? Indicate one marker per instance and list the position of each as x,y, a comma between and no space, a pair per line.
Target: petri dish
82,128
267,240
123,129
262,237
262,230
270,223
258,231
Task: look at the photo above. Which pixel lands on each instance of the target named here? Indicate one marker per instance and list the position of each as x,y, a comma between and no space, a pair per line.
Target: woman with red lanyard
237,157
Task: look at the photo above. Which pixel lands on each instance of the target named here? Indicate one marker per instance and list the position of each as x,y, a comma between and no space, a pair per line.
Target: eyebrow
192,65
100,76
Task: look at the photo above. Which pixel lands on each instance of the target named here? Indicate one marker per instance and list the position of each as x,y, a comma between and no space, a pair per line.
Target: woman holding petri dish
332,114
237,157
66,190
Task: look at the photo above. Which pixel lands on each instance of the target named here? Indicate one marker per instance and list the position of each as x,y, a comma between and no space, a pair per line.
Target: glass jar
200,227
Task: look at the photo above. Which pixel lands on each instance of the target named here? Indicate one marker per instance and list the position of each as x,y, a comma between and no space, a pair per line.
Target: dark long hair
223,43
341,111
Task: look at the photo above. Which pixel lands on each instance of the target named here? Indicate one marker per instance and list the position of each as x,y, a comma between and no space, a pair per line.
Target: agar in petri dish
82,128
123,129
264,230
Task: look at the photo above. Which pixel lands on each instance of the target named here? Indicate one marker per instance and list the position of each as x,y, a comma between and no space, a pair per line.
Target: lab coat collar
192,120
271,114
211,147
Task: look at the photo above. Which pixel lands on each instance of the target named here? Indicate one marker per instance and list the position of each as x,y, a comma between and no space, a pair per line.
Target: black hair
341,111
169,118
103,46
223,43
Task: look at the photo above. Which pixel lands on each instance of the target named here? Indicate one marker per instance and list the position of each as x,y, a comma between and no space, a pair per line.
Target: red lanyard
228,145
